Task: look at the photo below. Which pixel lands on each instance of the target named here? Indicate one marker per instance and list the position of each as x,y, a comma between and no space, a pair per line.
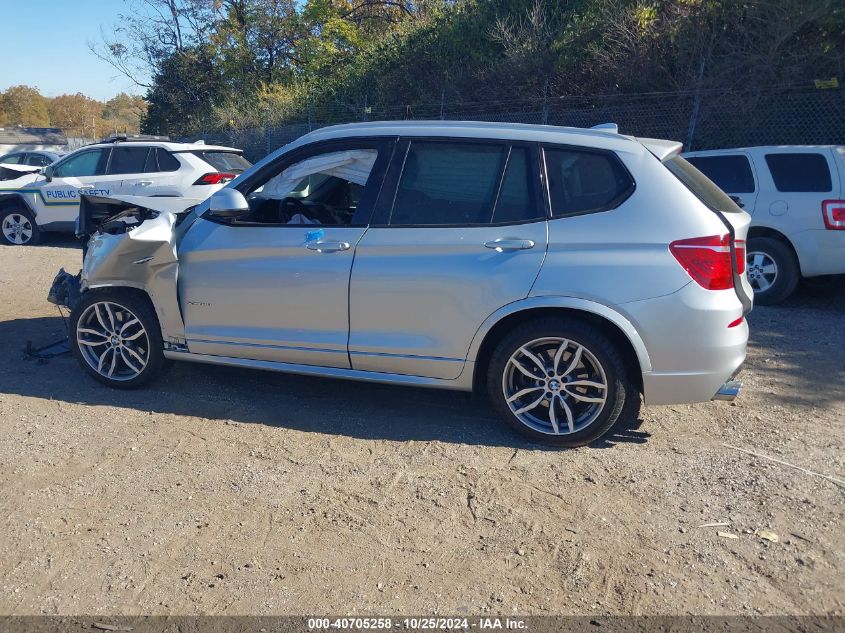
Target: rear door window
584,181
730,173
805,172
13,159
448,183
128,160
229,162
516,201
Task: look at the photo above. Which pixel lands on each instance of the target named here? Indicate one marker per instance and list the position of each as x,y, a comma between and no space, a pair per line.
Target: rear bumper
692,350
820,252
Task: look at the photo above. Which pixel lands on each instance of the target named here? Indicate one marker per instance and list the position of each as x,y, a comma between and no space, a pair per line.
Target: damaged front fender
136,248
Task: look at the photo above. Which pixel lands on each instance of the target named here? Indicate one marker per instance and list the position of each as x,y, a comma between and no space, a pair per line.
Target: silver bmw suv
566,272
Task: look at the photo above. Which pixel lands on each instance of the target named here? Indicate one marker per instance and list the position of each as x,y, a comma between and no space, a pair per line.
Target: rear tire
560,382
18,227
116,337
772,270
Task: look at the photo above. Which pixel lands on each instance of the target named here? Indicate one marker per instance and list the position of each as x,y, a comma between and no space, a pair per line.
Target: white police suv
47,199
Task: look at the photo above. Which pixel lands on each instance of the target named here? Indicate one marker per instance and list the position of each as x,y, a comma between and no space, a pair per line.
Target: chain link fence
702,120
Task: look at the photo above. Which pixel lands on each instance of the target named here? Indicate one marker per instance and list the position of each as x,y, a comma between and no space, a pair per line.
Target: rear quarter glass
703,188
231,162
800,172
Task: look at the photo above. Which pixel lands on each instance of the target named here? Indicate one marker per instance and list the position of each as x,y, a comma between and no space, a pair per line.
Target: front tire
116,336
18,228
559,381
772,270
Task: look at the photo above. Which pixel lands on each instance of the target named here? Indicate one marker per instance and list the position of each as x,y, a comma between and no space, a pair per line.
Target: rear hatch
736,221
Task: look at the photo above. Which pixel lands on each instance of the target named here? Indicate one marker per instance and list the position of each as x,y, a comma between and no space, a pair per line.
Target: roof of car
169,145
600,138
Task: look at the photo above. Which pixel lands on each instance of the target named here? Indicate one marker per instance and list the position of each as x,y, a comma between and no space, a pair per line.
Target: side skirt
462,383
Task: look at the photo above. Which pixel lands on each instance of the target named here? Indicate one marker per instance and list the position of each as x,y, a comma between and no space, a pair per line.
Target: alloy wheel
17,228
762,270
555,386
113,341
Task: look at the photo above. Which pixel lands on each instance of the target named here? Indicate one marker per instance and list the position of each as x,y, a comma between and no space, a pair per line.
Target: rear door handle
85,187
322,246
145,183
508,244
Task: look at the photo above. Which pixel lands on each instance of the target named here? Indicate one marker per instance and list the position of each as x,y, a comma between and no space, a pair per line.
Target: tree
77,115
24,105
185,89
123,113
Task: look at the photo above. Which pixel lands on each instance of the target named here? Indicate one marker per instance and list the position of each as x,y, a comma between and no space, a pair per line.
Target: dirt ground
220,491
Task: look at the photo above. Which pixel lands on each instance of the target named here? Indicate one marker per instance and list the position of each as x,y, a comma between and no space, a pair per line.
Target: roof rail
610,128
124,138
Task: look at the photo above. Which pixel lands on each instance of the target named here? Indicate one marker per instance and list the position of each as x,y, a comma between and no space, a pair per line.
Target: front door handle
145,183
322,246
85,187
507,244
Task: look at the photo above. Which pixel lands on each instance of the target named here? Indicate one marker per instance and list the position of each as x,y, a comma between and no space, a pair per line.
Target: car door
733,173
126,167
794,183
158,177
80,172
459,231
274,285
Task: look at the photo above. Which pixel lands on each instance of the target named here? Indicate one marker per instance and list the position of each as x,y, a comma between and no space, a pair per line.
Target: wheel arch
613,324
767,231
137,290
11,199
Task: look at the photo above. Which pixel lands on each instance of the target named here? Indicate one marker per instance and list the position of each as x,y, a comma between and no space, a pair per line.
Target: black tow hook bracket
66,289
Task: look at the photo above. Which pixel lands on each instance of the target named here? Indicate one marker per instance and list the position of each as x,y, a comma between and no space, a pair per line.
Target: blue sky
45,44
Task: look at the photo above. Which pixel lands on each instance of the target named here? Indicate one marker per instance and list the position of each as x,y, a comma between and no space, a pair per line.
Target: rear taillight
739,249
707,260
214,178
834,214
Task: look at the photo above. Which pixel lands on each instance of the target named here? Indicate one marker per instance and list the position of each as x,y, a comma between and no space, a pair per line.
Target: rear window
585,181
799,172
230,162
731,173
704,188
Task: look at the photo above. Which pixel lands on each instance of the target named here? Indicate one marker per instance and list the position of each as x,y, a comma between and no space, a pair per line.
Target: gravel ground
231,491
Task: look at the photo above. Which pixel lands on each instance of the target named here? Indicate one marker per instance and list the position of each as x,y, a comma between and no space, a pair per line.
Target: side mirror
227,203
48,172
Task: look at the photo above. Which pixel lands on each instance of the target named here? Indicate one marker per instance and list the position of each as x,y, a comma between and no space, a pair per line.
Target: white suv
796,198
48,200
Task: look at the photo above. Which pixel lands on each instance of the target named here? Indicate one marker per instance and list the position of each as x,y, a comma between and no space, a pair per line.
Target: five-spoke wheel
772,269
18,227
117,337
559,381
554,385
112,340
762,271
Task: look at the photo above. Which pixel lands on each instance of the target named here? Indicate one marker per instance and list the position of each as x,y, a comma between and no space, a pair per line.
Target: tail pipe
729,391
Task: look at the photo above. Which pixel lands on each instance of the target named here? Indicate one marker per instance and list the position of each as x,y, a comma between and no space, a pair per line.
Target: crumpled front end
134,247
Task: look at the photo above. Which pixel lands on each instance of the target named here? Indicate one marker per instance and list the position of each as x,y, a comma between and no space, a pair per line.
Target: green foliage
259,61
